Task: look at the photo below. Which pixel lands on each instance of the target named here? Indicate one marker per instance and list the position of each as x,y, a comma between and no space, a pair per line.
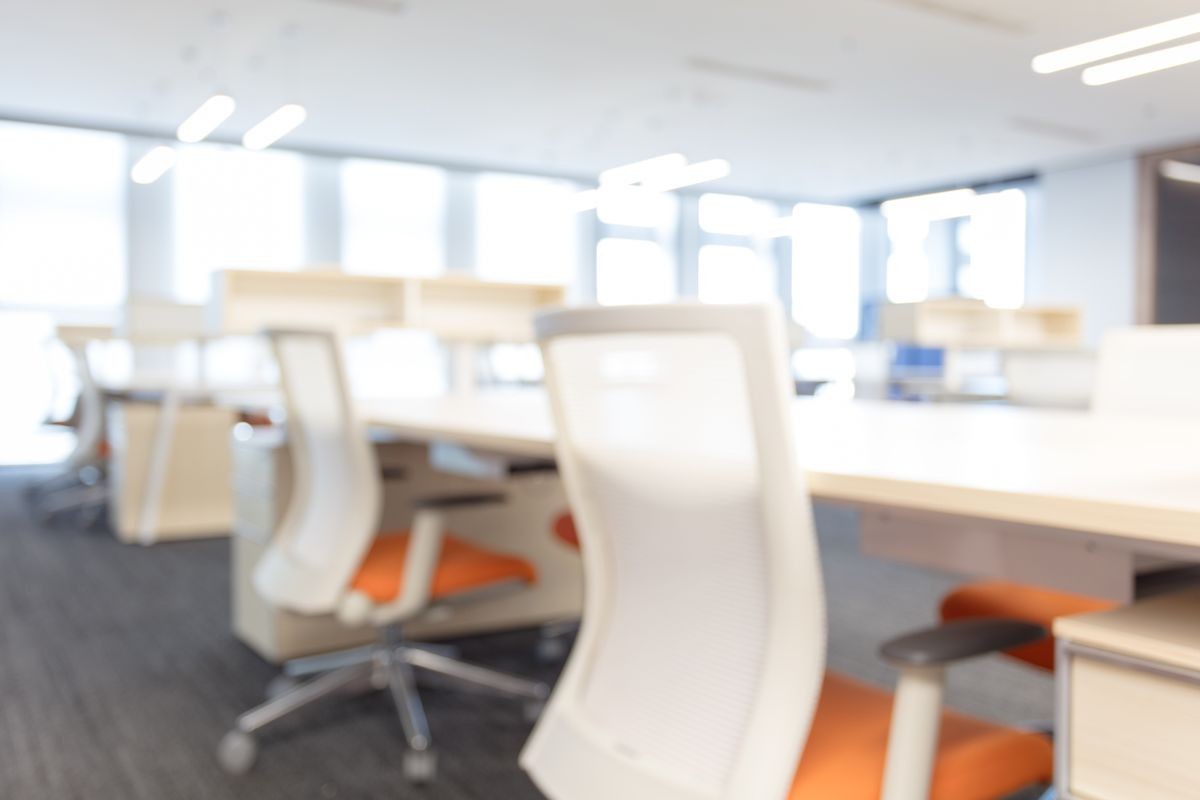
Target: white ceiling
822,100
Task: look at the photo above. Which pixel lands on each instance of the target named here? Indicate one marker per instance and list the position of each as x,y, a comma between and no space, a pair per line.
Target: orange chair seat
463,567
847,747
564,530
990,599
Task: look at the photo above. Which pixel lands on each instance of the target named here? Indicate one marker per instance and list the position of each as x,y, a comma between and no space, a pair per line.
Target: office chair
699,668
327,558
555,637
81,483
1141,371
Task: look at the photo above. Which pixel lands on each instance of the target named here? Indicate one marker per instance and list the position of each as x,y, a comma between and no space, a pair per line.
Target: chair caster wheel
420,766
237,752
280,685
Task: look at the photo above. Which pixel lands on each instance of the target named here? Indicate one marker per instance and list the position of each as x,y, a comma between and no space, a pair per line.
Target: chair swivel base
390,666
84,491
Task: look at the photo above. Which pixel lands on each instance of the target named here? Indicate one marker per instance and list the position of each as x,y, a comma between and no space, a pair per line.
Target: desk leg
156,468
464,368
201,362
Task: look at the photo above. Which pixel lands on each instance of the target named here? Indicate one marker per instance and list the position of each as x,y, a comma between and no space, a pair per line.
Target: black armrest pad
955,641
448,501
532,465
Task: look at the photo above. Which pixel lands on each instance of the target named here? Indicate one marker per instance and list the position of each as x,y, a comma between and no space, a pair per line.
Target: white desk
1128,477
1056,498
513,422
1082,495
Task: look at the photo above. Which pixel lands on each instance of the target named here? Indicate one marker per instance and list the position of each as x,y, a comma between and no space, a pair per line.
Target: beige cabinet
195,500
1129,702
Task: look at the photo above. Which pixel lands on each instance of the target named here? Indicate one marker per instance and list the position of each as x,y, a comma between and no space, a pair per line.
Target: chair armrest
424,551
452,501
959,640
916,711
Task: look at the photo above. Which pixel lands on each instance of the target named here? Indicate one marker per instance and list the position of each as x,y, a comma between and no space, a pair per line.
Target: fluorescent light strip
700,172
1119,44
587,200
153,165
1144,64
278,124
1179,170
205,119
641,171
659,174
935,206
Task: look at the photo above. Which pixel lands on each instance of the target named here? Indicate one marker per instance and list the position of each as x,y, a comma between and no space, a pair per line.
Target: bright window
993,241
632,271
734,274
235,208
62,217
393,218
515,363
977,249
825,270
525,229
637,207
909,267
734,214
372,364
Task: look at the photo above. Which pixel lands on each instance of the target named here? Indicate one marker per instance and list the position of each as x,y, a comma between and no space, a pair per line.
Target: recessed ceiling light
205,119
1116,45
1144,64
934,206
278,124
1179,170
153,165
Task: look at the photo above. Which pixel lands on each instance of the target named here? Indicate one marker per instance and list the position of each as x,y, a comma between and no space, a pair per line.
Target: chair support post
913,738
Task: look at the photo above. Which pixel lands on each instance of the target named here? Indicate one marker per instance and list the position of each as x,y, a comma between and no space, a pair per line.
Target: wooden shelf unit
966,324
455,308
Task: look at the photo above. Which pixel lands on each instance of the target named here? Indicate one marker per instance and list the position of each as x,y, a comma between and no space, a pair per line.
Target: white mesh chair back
1149,369
89,433
333,514
701,653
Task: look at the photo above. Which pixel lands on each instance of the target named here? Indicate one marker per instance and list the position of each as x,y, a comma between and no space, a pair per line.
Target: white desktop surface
1136,478
515,422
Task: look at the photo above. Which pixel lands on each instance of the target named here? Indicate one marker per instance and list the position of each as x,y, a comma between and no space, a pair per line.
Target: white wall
1084,243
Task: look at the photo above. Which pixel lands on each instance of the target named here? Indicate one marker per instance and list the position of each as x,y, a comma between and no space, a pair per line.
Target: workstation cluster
680,437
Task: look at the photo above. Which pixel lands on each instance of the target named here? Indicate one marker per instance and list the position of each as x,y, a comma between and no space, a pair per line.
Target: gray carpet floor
118,675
